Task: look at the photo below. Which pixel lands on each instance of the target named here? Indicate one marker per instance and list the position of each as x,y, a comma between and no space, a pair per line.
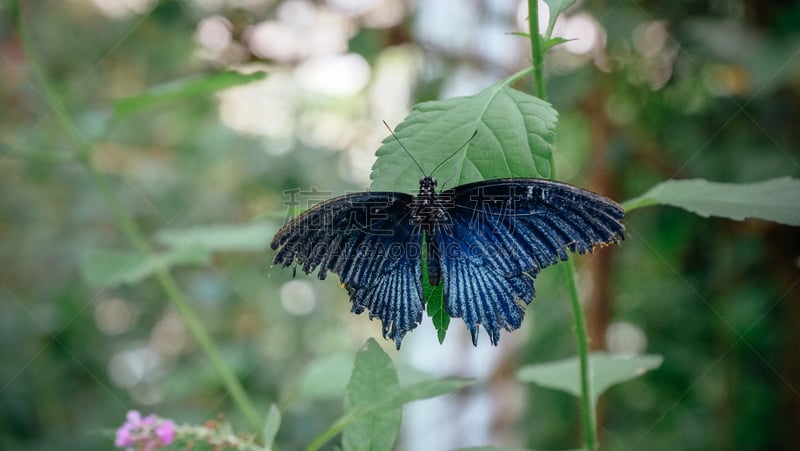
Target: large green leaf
495,448
184,88
515,133
110,267
373,376
774,200
374,399
220,237
606,370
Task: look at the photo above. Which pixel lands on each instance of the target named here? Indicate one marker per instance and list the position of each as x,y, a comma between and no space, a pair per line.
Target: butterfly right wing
371,241
498,234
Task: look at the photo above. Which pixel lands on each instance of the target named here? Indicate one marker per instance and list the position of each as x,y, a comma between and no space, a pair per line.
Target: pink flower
146,433
166,432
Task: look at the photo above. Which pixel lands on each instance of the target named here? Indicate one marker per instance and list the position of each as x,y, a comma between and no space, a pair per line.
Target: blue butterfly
485,242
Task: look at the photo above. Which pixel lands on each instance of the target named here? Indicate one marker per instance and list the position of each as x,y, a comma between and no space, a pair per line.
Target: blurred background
646,91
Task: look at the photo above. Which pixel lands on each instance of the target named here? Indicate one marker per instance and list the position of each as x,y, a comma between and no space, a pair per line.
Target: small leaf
520,34
606,370
373,375
515,134
557,7
775,200
552,42
271,426
252,237
434,300
326,378
108,268
374,393
184,88
395,397
494,448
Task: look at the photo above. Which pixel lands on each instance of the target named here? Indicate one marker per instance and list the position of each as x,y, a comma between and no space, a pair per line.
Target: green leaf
433,297
556,7
494,448
520,34
409,375
271,426
552,42
515,134
253,237
373,375
606,370
775,200
374,395
108,268
184,88
326,378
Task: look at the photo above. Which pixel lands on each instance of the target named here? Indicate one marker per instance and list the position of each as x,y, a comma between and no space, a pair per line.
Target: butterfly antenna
404,148
455,153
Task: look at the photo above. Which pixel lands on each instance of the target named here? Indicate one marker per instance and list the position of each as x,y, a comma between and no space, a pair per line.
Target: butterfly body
485,243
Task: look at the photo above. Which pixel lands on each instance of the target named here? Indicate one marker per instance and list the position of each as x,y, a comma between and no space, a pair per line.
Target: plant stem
130,229
587,397
537,55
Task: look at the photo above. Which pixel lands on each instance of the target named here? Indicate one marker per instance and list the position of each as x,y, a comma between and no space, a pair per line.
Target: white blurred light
219,5
169,336
393,75
272,39
650,38
446,24
262,108
522,16
297,12
384,14
298,297
214,34
122,9
335,75
114,316
494,45
325,129
131,367
465,80
301,30
147,394
357,166
584,32
353,7
625,338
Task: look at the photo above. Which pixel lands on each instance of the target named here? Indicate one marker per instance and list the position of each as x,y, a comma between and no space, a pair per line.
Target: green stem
537,55
131,230
587,398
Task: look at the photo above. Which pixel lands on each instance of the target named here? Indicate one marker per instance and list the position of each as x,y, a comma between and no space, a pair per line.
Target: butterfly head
427,186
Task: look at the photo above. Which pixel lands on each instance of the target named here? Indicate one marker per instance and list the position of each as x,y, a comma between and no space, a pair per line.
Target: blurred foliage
683,89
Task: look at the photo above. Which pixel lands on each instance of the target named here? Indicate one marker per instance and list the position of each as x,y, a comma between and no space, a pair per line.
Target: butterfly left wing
371,241
498,234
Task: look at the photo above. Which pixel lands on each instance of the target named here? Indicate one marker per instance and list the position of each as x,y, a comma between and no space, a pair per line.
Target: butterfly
485,242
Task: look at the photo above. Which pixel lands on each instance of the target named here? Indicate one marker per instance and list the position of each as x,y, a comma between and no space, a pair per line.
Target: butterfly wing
372,242
498,234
